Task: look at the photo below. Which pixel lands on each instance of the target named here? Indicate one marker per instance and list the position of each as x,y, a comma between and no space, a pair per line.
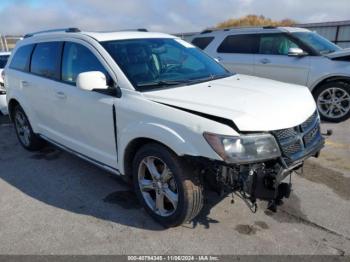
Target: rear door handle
25,83
61,95
265,61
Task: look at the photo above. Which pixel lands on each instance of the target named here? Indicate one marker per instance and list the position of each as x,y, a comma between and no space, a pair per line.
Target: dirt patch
328,177
261,224
126,199
246,229
251,229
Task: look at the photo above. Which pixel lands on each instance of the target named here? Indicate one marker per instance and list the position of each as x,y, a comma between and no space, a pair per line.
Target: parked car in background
159,112
288,54
4,56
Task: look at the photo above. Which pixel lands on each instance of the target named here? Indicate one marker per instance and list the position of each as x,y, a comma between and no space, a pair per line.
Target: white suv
288,54
158,111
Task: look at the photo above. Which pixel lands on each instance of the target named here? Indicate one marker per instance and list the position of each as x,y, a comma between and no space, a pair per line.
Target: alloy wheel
22,128
334,102
158,186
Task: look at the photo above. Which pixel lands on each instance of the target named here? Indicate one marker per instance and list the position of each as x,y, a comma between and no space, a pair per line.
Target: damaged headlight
245,148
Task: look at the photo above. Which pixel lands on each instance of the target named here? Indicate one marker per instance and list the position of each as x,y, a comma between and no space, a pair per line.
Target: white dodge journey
162,114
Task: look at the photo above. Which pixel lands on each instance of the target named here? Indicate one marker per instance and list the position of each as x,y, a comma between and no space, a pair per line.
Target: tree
254,20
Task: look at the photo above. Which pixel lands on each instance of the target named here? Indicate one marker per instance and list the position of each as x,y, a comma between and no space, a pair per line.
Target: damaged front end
266,179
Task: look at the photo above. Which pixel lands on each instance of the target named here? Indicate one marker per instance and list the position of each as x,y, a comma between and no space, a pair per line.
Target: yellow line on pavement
337,145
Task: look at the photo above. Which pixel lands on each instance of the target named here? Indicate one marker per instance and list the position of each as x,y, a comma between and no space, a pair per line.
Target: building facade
337,32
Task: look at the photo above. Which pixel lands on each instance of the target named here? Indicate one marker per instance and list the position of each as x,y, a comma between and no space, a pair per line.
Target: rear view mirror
89,81
295,51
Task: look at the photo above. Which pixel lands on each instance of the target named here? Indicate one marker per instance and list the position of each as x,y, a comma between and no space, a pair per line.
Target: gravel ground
51,202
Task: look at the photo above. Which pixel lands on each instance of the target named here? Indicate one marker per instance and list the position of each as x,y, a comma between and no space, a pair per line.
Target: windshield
156,63
317,42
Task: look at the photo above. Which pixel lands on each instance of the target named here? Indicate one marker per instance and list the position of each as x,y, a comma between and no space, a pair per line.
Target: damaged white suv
154,109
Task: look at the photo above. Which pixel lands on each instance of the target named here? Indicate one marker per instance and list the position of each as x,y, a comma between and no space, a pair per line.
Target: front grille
312,135
292,148
298,141
309,122
286,133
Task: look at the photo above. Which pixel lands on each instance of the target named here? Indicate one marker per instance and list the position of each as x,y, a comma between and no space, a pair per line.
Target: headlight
245,148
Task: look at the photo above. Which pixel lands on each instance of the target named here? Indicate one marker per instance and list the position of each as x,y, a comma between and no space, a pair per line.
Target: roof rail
138,30
206,31
210,30
67,30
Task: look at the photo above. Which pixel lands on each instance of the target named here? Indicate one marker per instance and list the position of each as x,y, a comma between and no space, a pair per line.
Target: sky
171,16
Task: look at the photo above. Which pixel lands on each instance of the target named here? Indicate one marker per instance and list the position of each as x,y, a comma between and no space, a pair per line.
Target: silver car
287,54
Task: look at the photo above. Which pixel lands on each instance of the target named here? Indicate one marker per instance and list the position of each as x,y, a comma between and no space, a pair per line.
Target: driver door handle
61,95
25,83
265,61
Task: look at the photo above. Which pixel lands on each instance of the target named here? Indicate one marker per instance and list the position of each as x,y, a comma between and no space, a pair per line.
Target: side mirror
295,51
89,81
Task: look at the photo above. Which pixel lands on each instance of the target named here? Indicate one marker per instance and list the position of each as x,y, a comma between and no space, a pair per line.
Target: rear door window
239,44
202,42
46,60
21,58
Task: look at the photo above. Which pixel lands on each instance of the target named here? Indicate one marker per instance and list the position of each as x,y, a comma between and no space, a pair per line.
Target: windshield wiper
208,78
162,83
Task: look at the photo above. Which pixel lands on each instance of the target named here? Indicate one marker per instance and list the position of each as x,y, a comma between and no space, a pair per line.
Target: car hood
340,53
252,103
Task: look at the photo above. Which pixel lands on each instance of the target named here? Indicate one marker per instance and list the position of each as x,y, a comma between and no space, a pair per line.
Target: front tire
28,139
333,101
167,187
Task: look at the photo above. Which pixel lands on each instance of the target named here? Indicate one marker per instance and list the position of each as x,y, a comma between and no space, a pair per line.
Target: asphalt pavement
52,202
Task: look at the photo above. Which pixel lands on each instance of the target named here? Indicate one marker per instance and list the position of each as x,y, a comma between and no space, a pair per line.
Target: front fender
188,143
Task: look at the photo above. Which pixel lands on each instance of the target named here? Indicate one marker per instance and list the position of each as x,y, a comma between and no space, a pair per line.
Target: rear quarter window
202,42
239,44
21,58
46,60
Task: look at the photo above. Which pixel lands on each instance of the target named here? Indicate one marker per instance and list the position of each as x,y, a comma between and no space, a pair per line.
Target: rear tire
170,191
28,139
333,101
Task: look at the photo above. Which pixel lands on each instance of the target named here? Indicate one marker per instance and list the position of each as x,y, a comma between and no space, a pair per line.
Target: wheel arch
328,79
11,106
132,148
13,101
